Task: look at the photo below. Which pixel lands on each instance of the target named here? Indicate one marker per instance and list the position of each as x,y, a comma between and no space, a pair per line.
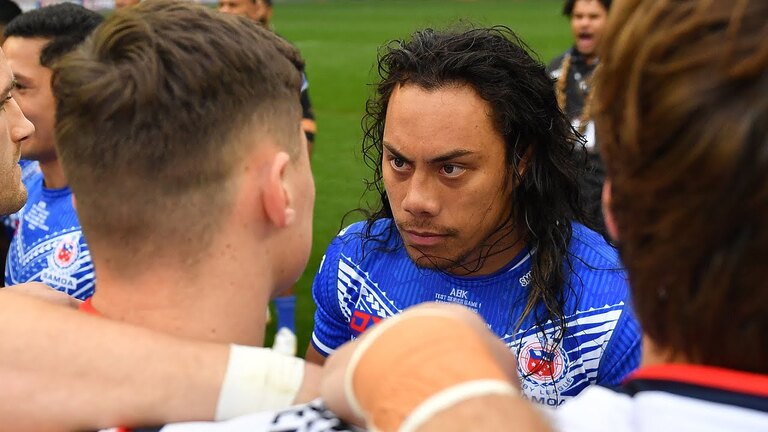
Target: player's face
33,94
444,172
253,9
14,129
587,23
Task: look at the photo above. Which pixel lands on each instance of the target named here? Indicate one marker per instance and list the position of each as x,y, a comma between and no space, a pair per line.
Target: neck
495,253
53,174
653,355
223,299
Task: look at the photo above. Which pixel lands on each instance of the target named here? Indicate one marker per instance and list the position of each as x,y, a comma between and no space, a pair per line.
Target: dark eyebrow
451,155
396,153
435,160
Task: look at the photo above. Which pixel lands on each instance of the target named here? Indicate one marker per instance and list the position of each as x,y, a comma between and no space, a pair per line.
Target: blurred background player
285,304
473,162
573,71
48,245
15,130
8,11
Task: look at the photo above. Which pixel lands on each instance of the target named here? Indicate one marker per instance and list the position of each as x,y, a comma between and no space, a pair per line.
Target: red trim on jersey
88,308
706,376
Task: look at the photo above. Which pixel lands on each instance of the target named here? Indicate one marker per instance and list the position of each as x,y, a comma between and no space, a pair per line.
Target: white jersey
669,398
311,417
673,398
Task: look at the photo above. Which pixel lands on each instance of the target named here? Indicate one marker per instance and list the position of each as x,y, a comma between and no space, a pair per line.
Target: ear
610,222
276,196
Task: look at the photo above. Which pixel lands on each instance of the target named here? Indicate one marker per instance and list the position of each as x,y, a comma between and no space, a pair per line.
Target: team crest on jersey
66,252
62,264
542,364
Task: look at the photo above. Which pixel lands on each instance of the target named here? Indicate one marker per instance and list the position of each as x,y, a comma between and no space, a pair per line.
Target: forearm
64,370
433,367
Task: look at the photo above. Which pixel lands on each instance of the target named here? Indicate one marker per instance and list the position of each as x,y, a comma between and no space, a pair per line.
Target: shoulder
32,177
29,170
596,273
362,240
360,234
592,248
596,409
555,64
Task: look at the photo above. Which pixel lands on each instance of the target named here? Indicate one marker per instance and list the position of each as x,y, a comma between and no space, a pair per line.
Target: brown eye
452,170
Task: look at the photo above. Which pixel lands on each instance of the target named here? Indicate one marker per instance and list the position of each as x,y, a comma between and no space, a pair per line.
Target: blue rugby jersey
48,245
356,288
29,169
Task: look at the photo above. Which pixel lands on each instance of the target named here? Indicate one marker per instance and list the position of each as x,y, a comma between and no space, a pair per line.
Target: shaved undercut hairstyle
155,111
684,134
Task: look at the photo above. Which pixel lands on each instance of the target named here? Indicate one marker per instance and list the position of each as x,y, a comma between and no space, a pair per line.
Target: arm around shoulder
62,369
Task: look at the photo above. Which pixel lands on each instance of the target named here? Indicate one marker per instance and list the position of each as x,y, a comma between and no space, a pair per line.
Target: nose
20,127
421,196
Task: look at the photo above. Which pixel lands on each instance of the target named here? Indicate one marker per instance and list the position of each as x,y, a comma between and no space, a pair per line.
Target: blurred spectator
48,245
8,11
573,71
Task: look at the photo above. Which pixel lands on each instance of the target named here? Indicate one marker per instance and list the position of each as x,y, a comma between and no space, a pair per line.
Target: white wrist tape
451,396
258,379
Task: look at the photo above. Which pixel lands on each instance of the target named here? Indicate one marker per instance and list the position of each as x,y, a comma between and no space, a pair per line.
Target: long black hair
498,66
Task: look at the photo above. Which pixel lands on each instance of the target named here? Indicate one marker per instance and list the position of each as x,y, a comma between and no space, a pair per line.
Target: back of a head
682,116
8,11
155,110
66,25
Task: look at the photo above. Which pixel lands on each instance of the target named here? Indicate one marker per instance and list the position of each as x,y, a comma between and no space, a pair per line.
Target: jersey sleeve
622,355
331,323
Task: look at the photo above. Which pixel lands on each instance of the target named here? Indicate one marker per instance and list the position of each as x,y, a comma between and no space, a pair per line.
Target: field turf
339,41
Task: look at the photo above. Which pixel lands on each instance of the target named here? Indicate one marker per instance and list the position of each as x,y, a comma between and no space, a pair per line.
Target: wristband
452,396
258,379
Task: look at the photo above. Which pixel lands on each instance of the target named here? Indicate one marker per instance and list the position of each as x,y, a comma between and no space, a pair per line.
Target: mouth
585,37
423,238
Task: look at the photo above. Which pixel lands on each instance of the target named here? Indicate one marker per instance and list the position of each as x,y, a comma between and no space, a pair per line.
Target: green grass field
339,41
